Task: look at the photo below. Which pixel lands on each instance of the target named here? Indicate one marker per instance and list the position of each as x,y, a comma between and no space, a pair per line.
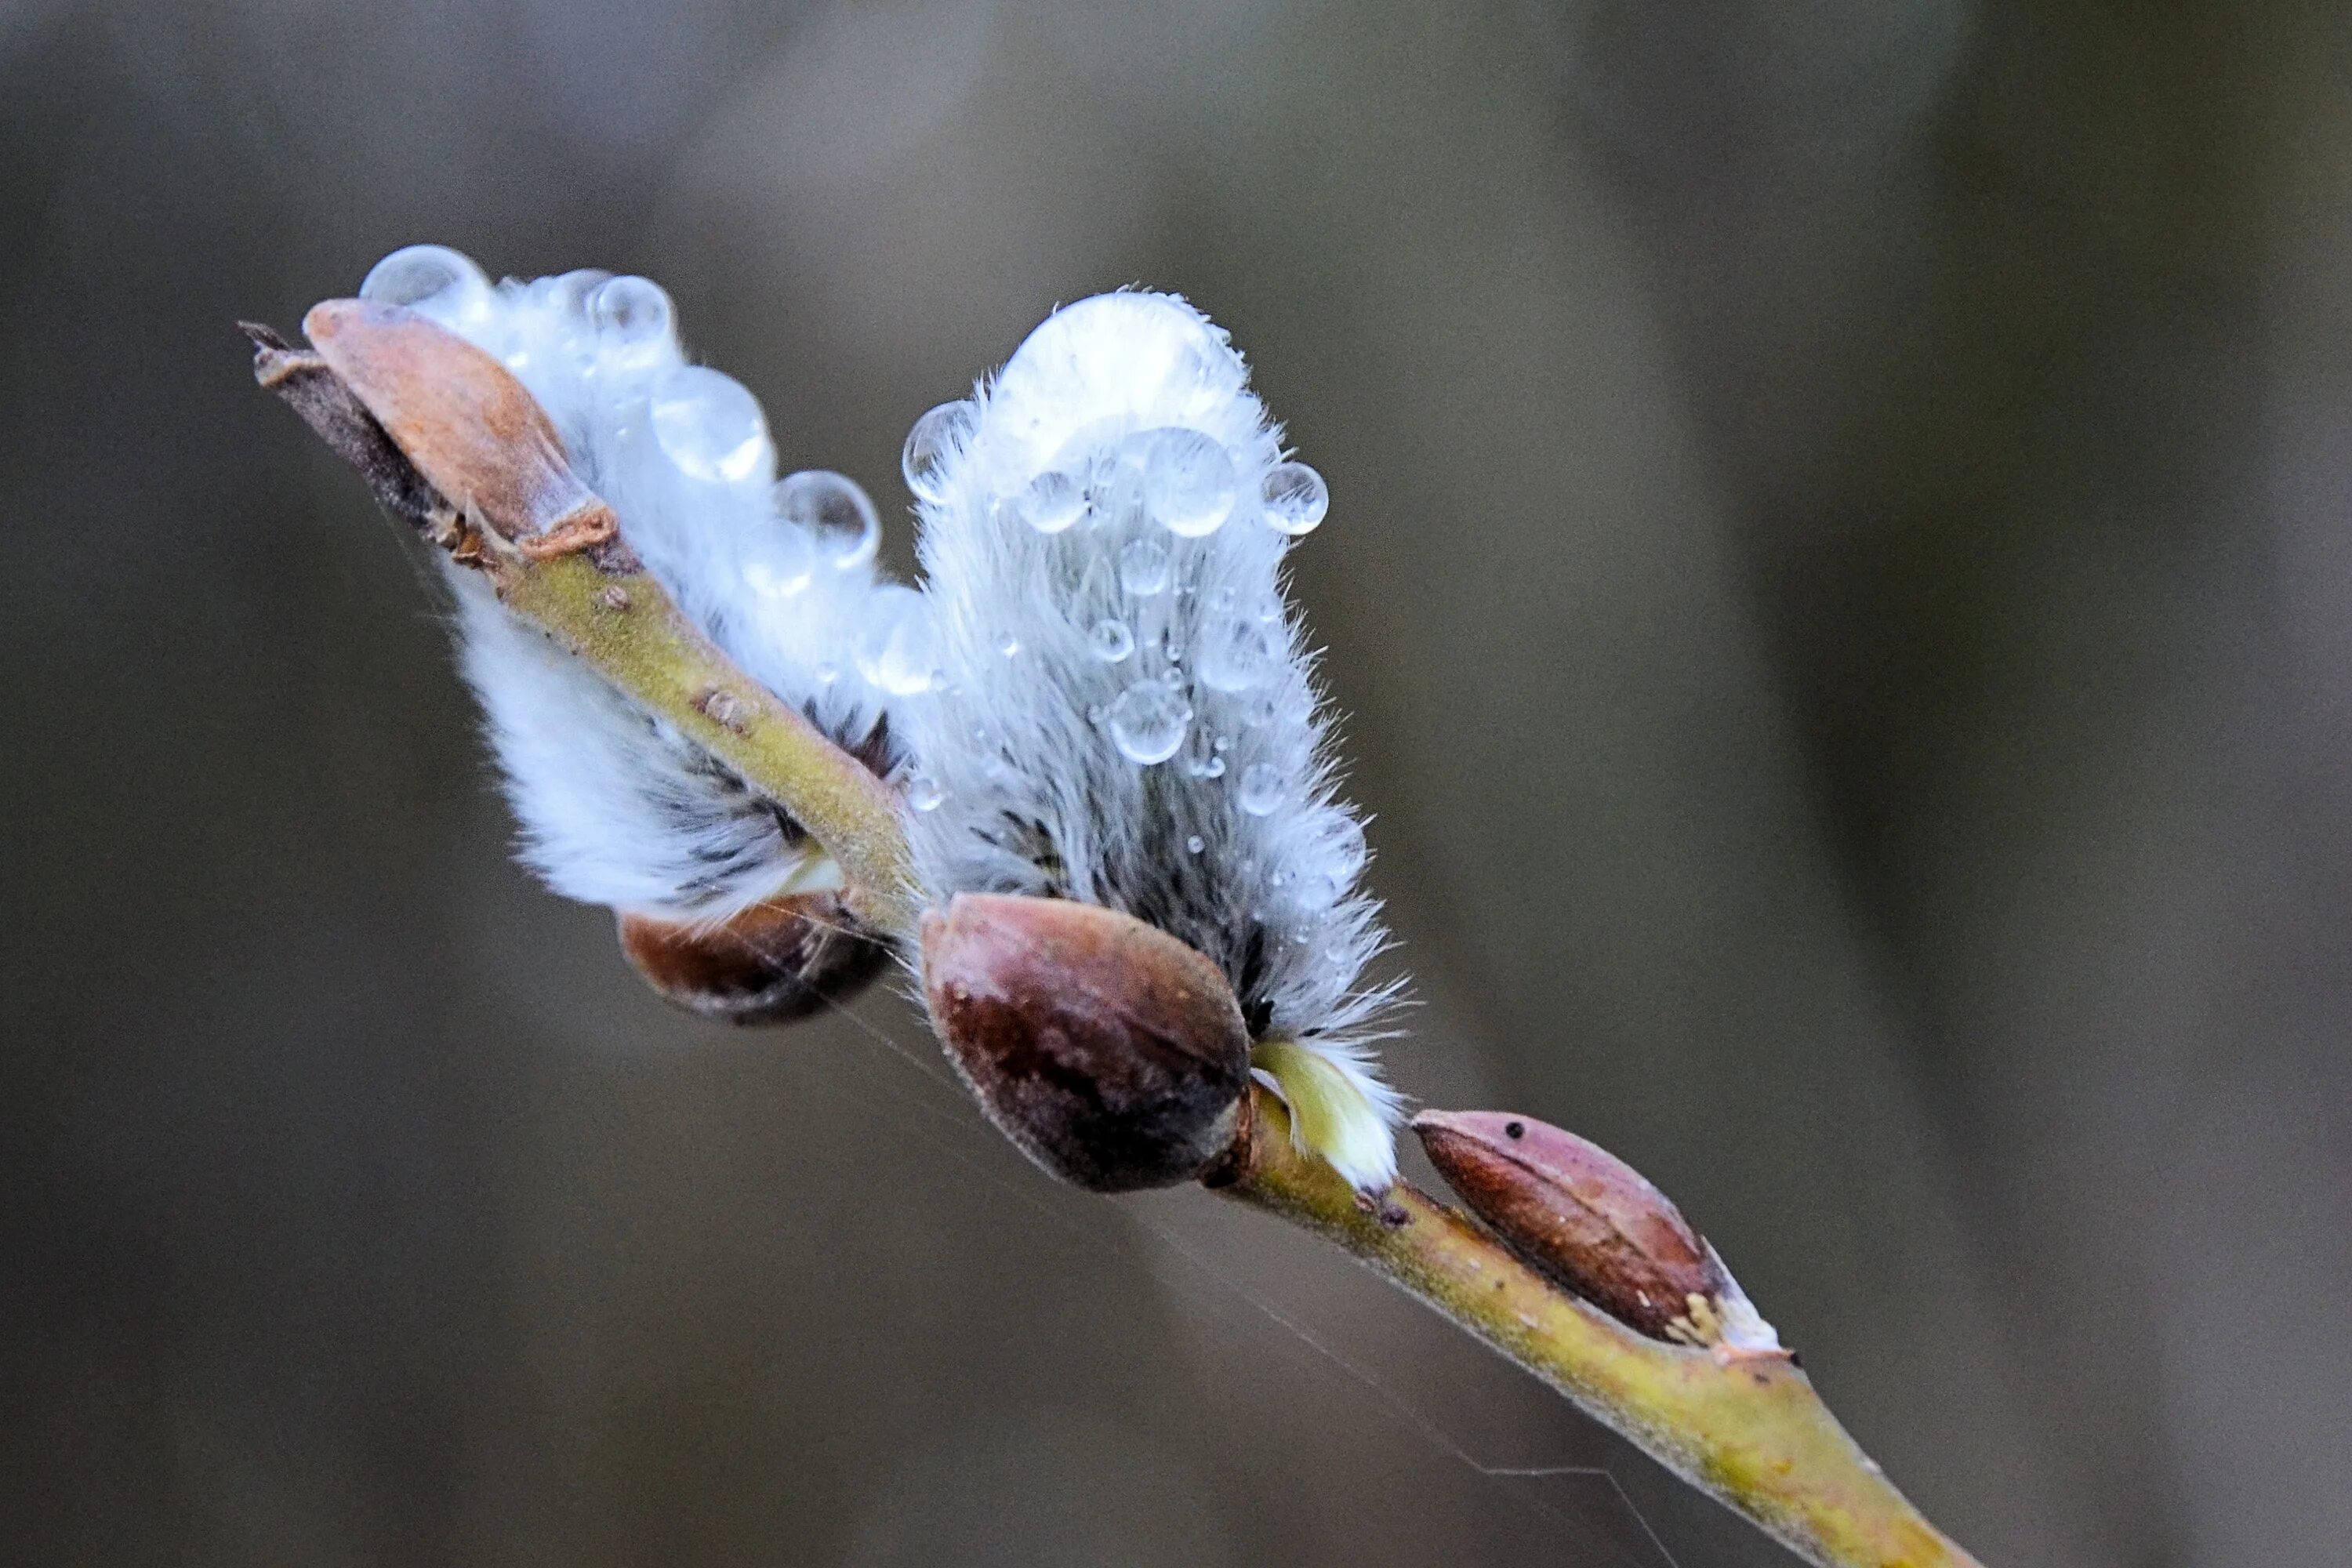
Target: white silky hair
1124,712
618,807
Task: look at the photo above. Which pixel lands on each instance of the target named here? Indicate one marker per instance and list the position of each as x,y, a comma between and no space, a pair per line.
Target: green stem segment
1748,1430
628,629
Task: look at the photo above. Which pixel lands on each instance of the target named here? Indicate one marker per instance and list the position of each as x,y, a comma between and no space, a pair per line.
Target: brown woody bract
1576,1213
470,428
1114,1054
772,962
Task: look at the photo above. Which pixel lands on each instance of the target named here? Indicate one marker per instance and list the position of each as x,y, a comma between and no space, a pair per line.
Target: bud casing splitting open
1593,1224
463,419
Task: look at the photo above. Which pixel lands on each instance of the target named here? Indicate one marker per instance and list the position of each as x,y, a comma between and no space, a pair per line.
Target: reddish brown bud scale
473,430
1577,1214
770,963
1112,1054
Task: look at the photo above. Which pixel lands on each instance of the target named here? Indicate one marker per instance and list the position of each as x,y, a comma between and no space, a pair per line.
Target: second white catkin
1124,710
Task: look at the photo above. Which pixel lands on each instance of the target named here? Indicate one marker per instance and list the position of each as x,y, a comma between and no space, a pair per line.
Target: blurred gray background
1840,570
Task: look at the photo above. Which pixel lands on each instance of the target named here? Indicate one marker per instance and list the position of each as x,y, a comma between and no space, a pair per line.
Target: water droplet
432,280
827,673
570,291
899,651
1340,851
1294,499
924,793
1225,744
633,317
1143,568
710,425
1009,646
1147,721
1234,655
1195,844
1112,640
837,512
1261,789
779,562
1187,482
938,434
1050,502
1201,763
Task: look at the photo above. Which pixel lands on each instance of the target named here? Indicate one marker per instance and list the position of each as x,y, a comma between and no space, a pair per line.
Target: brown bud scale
1578,1215
472,429
772,962
1112,1054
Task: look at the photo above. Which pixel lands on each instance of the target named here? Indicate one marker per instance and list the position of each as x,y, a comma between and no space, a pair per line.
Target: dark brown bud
1580,1216
768,964
1114,1054
473,430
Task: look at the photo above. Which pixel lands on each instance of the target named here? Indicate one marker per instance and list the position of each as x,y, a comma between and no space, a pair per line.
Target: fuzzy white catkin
1125,714
616,806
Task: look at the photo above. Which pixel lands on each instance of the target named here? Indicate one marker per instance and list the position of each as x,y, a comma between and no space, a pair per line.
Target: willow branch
1748,1430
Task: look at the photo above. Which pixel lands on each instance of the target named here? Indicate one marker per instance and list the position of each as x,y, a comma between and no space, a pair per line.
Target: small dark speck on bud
1515,1129
616,597
1395,1215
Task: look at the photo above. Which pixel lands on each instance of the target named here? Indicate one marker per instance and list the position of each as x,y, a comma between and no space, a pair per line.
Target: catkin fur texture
616,807
1124,712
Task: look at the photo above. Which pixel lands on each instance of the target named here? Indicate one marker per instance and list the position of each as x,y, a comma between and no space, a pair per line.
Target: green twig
1746,1429
632,634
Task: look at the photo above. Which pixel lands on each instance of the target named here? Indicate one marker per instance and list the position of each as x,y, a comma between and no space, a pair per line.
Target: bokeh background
1842,575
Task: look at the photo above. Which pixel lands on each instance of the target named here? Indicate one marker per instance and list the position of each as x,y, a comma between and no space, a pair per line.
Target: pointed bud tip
1112,1054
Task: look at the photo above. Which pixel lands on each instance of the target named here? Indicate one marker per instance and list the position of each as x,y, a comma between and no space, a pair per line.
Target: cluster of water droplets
781,571
1185,481
1134,506
592,338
